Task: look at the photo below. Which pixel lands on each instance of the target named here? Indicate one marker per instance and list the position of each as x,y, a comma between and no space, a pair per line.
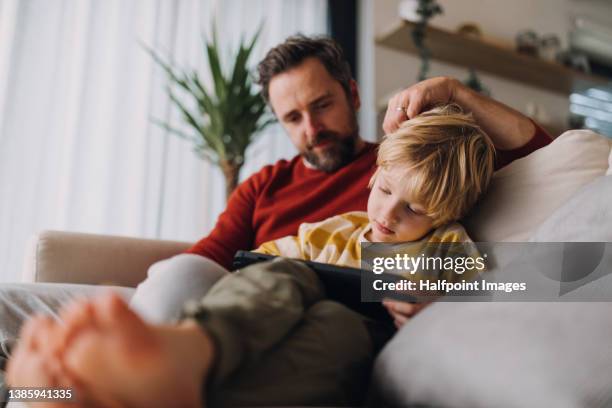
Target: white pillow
525,193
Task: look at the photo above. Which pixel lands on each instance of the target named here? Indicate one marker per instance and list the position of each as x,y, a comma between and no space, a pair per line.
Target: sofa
522,354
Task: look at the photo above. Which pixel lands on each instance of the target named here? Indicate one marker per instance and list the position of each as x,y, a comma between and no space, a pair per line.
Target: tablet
342,284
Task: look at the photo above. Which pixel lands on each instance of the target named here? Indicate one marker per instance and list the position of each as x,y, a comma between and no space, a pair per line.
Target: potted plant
224,120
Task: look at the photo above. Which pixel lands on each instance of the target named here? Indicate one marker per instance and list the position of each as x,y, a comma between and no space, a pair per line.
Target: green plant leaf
170,71
226,117
215,68
205,153
167,127
240,71
208,137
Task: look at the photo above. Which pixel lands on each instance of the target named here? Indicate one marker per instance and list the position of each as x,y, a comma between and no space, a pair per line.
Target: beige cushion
72,257
525,193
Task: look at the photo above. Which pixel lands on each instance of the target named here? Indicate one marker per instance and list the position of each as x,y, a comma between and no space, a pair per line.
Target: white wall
498,19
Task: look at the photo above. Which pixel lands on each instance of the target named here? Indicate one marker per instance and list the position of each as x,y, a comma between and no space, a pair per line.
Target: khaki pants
279,342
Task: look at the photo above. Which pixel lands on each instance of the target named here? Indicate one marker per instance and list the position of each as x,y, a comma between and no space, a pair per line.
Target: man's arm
234,228
508,128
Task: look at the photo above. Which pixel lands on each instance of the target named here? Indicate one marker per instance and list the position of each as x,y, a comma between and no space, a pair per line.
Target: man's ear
355,99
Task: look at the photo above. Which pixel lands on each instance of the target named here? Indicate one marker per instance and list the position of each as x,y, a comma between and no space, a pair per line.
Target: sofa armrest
69,257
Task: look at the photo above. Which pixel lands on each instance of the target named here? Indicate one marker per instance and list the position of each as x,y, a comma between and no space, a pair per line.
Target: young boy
266,335
429,173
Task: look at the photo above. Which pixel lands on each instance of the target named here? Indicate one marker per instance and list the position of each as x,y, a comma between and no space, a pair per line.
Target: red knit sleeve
539,139
234,228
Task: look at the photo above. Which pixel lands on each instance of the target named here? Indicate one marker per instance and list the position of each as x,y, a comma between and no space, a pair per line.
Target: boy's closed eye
415,209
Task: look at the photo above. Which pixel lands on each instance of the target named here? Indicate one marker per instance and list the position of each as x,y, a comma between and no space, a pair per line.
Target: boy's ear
355,98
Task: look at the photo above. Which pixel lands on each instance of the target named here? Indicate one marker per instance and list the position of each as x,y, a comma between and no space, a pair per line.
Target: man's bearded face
318,115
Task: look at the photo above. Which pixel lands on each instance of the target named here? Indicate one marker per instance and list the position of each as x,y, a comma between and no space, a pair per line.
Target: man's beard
339,152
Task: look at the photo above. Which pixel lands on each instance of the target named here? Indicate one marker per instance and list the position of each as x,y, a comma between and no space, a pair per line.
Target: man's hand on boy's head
418,98
402,311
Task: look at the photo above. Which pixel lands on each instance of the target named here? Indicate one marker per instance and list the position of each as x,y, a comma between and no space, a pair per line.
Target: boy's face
394,217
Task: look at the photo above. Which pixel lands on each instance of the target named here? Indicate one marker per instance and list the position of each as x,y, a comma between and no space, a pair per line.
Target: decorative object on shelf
471,30
527,42
426,10
550,45
224,120
546,46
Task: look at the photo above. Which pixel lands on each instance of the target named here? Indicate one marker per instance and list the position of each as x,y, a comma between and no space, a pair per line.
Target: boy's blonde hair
449,159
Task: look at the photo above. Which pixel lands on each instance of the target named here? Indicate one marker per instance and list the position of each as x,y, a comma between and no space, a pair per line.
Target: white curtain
78,151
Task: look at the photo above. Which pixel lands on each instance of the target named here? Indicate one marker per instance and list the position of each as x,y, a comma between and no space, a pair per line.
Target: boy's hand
402,311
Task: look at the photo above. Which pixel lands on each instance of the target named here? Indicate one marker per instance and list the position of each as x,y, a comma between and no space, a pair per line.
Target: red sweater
273,202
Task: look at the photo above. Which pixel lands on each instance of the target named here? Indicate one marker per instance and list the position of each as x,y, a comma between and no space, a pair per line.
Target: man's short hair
294,50
448,159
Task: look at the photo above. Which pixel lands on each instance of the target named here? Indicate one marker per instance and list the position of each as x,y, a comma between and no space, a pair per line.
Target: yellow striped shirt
337,240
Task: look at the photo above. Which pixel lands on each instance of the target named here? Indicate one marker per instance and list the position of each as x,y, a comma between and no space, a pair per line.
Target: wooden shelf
492,58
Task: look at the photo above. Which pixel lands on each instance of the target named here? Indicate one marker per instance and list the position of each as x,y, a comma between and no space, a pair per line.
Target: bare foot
34,363
109,349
